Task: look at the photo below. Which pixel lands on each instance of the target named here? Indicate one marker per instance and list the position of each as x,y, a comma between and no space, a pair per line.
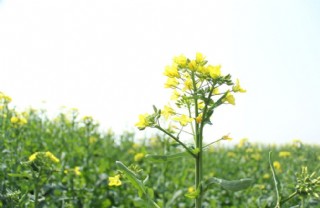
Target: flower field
67,161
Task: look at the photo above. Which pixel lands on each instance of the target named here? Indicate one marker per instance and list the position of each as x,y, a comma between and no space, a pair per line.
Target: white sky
106,58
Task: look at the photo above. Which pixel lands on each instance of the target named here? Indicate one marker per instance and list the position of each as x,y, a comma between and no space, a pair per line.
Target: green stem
198,141
36,188
176,139
289,197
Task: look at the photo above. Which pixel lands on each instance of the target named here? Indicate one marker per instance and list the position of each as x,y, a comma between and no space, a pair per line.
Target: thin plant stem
176,139
198,141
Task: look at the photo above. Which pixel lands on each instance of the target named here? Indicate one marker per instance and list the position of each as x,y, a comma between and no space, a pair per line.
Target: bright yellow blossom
171,83
167,112
52,157
237,88
192,65
77,171
227,137
143,121
199,118
180,60
14,119
115,181
46,154
183,119
172,71
191,189
216,91
5,98
215,71
277,165
138,156
199,57
284,154
175,95
230,99
201,105
188,84
33,157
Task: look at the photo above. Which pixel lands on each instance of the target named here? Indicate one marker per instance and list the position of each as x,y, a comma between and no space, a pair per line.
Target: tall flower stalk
198,89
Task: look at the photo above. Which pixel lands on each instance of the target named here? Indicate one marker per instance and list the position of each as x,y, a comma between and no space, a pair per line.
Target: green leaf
233,185
143,191
165,158
138,184
275,180
20,175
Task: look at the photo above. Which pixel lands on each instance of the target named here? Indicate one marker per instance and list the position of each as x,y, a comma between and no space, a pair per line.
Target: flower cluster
18,120
43,155
4,98
196,85
115,181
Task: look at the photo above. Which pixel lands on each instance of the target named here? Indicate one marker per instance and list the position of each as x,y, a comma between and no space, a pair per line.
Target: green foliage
87,158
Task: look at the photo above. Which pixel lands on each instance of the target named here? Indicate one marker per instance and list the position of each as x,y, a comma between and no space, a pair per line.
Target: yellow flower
226,137
172,71
52,157
175,95
171,83
191,189
23,121
5,98
192,65
277,165
201,105
199,118
199,57
214,71
188,84
138,156
143,121
183,120
216,91
20,120
230,99
33,156
242,142
180,60
115,181
77,171
284,154
237,88
256,156
167,112
14,119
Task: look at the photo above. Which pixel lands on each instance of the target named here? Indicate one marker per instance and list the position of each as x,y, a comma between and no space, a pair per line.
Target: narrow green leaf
275,180
138,184
20,175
